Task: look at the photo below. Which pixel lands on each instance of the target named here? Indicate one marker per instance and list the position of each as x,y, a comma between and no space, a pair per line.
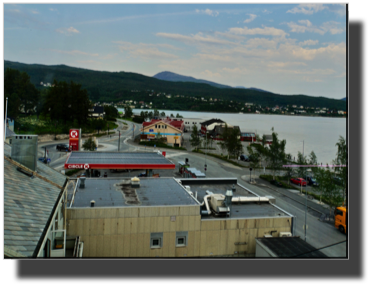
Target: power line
321,248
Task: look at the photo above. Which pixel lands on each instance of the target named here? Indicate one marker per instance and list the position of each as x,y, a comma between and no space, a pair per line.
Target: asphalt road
319,234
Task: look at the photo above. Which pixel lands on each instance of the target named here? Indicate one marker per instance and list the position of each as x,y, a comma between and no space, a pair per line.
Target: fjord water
320,134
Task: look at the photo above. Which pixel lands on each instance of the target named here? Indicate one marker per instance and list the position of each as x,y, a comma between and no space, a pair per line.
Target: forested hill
116,86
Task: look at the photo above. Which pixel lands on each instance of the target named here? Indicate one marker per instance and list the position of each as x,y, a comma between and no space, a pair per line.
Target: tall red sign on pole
74,139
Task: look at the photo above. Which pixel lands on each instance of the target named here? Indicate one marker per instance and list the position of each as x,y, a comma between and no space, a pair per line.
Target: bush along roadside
287,186
159,144
224,158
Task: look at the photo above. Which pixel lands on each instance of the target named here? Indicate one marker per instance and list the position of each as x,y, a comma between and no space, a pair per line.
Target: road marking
231,165
174,155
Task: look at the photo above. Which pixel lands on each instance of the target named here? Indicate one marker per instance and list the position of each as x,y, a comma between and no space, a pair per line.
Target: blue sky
282,48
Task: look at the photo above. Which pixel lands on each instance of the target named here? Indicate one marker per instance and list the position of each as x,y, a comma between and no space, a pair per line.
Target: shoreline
238,113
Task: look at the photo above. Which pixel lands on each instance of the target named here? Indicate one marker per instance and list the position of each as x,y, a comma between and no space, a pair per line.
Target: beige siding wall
125,232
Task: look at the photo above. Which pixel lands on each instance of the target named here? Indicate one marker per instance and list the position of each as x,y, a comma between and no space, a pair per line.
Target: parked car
298,181
276,183
64,147
244,158
143,174
312,181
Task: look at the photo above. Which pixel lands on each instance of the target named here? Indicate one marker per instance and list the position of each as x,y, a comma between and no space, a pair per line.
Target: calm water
320,134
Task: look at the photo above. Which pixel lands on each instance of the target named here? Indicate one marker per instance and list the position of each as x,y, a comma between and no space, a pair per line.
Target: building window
156,240
156,125
159,126
181,239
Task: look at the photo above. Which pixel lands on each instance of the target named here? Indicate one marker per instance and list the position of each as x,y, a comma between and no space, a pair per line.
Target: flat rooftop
238,210
118,192
117,160
289,247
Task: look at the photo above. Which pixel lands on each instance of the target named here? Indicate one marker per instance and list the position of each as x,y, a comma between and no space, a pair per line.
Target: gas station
148,161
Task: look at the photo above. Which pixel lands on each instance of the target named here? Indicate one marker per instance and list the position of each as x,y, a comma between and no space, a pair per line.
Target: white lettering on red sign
86,166
75,166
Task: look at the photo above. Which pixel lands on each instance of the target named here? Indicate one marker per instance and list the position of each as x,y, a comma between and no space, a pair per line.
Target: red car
298,181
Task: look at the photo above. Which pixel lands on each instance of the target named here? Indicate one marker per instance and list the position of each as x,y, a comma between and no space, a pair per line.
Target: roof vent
228,198
82,182
233,187
135,182
92,203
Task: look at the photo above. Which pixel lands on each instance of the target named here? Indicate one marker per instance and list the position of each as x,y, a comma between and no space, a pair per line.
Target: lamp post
5,123
250,178
205,168
118,148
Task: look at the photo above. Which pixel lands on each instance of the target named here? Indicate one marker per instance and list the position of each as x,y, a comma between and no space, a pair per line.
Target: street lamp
5,124
306,207
250,178
205,168
118,148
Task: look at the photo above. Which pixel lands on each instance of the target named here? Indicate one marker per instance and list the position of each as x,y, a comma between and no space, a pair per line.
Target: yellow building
165,217
152,130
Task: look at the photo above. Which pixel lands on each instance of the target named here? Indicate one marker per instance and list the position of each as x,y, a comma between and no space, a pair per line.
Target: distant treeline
117,86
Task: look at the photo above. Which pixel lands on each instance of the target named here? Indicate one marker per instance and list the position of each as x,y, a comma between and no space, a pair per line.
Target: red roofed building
171,129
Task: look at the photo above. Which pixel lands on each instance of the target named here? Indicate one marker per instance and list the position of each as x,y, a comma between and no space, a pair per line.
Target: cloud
307,9
250,19
235,71
207,11
67,31
308,43
269,31
210,74
197,38
53,9
74,52
303,28
34,12
145,51
331,26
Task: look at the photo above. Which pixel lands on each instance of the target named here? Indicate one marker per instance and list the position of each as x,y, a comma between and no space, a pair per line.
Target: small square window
156,240
181,239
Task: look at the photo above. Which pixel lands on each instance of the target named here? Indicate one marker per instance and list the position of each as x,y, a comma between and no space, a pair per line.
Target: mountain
116,86
174,77
344,99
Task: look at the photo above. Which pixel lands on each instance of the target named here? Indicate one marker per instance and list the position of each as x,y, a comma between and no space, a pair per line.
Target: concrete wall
125,232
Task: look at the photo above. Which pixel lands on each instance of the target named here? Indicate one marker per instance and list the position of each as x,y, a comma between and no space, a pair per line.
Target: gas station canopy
117,160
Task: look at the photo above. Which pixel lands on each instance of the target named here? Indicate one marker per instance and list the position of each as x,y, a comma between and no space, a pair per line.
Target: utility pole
118,148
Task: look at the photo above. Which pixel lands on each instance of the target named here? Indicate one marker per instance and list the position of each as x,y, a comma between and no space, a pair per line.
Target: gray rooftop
242,210
290,247
117,192
117,158
28,204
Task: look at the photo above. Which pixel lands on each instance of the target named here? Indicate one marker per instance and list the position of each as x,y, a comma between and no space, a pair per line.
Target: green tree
276,153
301,160
128,112
67,102
162,114
231,141
178,116
22,94
194,138
156,113
341,159
254,160
111,112
89,144
329,191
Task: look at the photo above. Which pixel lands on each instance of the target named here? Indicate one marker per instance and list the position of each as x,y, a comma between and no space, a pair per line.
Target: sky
282,48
